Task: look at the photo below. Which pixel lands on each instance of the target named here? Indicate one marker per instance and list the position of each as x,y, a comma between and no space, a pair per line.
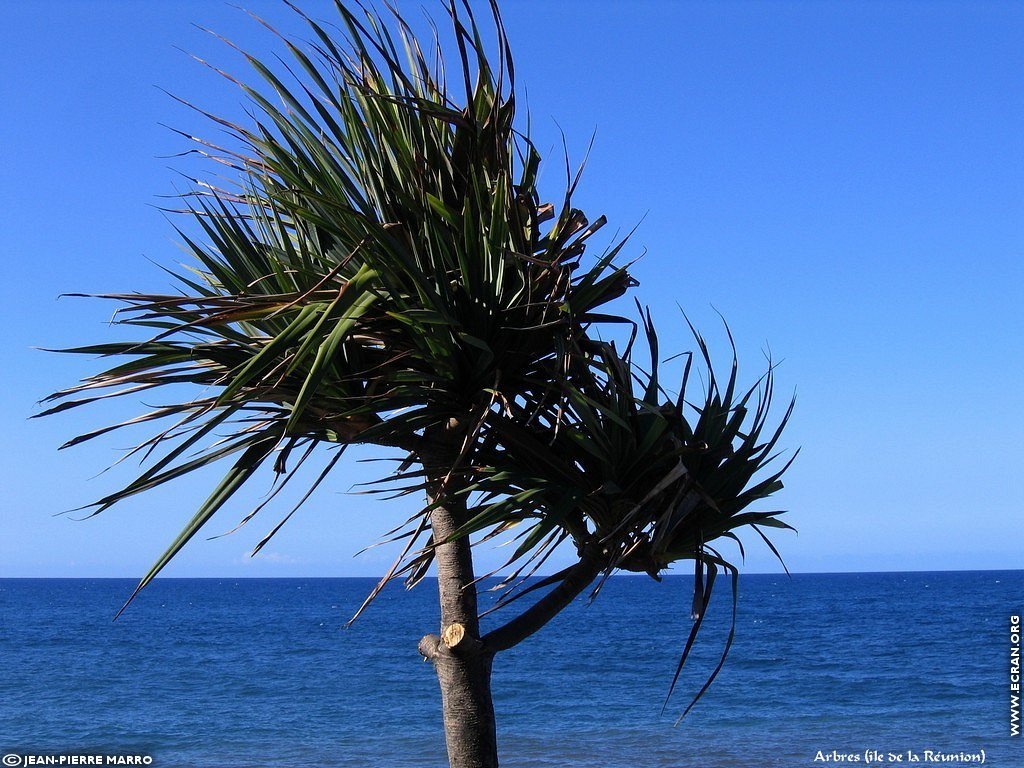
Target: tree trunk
463,666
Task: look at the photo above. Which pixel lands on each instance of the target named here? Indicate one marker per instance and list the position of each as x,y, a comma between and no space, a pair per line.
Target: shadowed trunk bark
463,665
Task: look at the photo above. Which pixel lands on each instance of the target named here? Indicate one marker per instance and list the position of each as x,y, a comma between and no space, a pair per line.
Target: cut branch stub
428,646
453,635
453,638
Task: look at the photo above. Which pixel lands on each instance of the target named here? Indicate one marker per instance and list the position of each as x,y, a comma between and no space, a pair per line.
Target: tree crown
381,268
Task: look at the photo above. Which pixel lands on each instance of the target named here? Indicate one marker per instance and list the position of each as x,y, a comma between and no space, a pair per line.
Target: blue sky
844,182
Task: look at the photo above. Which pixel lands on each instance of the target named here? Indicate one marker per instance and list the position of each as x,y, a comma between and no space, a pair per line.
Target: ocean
239,673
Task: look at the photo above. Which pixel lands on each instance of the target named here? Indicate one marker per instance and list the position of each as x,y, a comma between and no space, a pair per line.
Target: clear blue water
233,673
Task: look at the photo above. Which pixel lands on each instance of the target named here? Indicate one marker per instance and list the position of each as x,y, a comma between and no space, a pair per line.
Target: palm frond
383,264
653,480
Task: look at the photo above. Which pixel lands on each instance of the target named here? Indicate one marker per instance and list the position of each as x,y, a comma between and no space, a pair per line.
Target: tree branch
579,577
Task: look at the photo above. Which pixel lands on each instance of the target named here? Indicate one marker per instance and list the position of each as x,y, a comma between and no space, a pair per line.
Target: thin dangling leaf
243,469
707,588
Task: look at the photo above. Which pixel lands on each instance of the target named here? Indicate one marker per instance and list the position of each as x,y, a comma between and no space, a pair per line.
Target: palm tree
381,269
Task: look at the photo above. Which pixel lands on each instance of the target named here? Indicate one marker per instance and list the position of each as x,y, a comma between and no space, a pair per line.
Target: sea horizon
536,576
